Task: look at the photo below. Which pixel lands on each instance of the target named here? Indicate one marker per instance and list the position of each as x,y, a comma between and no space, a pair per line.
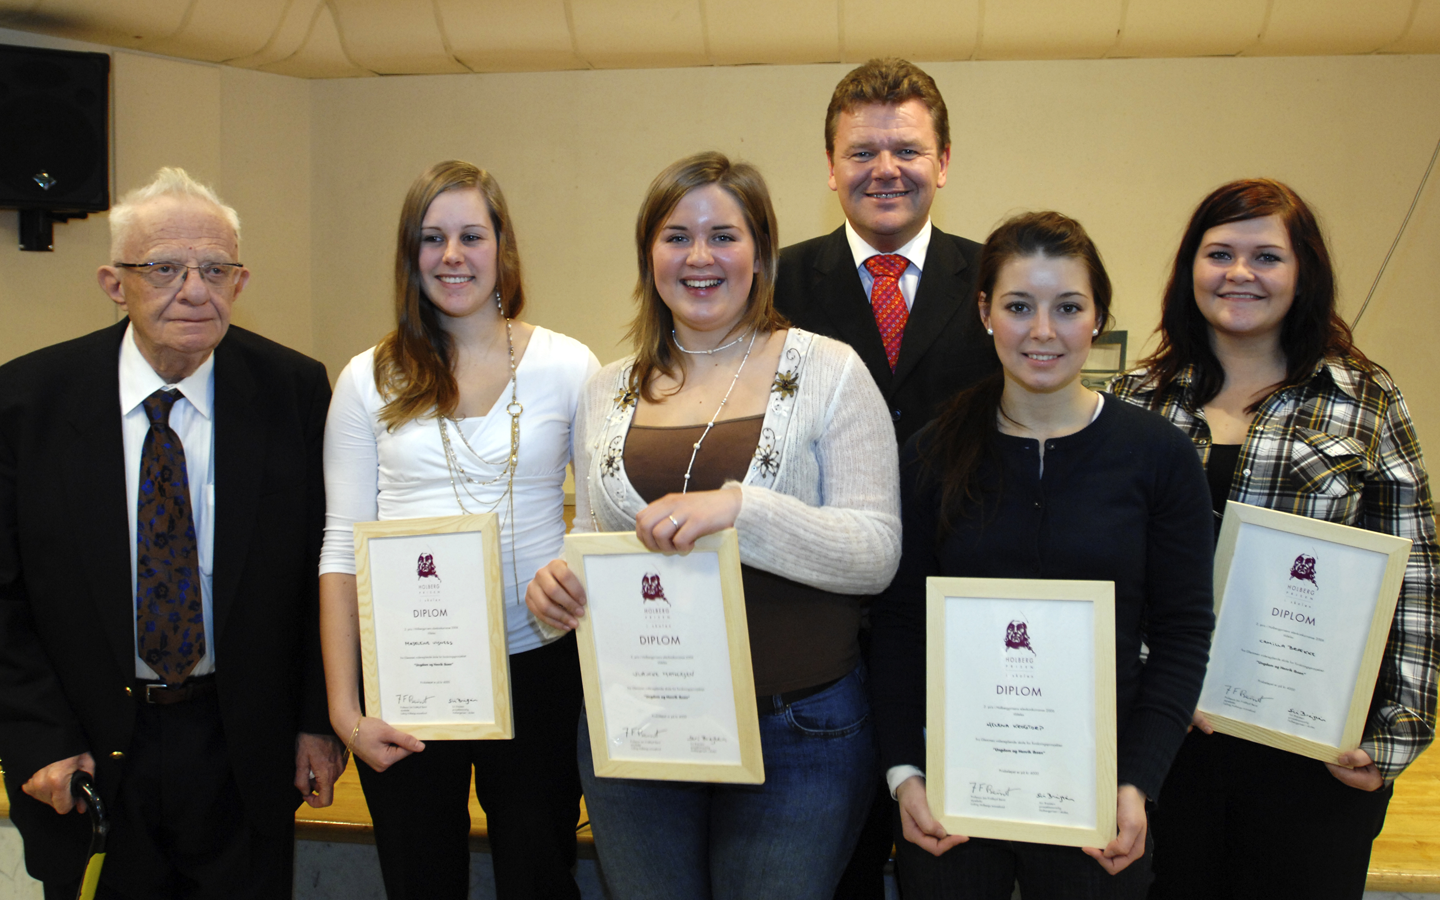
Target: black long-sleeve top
1123,500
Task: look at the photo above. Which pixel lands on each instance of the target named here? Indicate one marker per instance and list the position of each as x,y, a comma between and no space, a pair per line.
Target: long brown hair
963,436
413,363
651,331
1312,328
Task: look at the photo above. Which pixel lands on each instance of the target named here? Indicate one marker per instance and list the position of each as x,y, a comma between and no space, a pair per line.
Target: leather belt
158,694
795,696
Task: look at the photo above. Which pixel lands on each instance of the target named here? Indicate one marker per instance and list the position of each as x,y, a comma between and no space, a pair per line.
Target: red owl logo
650,588
1017,636
425,567
1303,569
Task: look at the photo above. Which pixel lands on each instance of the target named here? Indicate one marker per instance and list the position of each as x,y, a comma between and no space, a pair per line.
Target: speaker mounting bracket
37,227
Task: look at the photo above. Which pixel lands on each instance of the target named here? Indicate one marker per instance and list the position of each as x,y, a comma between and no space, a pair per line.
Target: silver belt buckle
151,688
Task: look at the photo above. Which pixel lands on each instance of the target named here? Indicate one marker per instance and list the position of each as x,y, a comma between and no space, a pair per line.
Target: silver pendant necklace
695,451
707,352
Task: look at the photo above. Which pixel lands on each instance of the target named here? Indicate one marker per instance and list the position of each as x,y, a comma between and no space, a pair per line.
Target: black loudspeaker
54,137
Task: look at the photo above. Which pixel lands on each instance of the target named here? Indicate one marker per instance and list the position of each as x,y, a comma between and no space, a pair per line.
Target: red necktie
887,301
169,617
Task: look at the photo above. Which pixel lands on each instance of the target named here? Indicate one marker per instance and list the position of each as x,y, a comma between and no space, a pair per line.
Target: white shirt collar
138,380
914,251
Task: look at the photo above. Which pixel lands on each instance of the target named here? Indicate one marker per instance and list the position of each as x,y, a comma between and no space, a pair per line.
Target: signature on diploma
1054,798
1240,693
464,700
980,787
413,698
641,731
1302,714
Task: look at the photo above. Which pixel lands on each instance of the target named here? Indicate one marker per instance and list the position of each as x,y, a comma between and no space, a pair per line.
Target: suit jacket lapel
240,438
936,303
837,279
93,467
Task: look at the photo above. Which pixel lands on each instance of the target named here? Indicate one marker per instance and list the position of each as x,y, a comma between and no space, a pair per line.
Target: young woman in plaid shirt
1257,367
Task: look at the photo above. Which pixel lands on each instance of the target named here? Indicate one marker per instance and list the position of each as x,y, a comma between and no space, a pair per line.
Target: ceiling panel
1049,29
320,53
870,28
742,32
1172,28
1424,33
118,24
505,36
217,30
287,36
394,37
618,34
1320,27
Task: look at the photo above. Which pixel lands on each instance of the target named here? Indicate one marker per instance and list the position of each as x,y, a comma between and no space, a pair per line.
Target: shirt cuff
896,775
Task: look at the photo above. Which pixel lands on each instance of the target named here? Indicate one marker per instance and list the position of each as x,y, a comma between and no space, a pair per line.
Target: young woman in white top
461,409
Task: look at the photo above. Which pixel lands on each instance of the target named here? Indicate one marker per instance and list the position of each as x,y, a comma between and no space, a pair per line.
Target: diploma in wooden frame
665,657
1302,614
1020,709
432,626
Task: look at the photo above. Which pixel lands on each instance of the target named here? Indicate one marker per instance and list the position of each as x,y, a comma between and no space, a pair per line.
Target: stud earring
1095,333
990,331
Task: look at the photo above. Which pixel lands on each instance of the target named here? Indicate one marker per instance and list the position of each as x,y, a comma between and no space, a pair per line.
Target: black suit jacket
67,653
944,349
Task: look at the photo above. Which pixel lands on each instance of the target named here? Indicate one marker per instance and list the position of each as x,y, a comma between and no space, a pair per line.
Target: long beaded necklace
507,472
719,409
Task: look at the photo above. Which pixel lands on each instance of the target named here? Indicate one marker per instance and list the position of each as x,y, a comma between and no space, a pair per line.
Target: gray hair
168,182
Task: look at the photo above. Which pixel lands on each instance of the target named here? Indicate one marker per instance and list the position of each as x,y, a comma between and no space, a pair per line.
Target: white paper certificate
430,618
1024,741
1294,626
657,651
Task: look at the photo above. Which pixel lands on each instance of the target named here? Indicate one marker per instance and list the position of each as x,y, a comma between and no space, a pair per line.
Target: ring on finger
673,522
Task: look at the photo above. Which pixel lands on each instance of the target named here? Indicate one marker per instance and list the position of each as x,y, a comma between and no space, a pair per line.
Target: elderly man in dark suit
161,506
891,285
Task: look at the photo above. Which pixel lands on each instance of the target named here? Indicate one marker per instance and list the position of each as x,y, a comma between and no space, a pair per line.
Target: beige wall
318,169
247,133
1126,146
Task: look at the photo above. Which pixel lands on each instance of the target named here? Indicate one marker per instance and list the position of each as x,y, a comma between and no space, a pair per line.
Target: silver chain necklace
707,352
507,471
719,409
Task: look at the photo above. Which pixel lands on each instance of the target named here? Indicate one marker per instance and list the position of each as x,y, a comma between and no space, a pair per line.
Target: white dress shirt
914,251
193,419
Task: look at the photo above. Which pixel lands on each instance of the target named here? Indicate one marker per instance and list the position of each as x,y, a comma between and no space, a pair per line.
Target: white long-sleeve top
821,499
372,473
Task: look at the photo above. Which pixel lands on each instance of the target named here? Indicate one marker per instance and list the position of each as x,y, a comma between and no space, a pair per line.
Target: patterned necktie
887,301
169,617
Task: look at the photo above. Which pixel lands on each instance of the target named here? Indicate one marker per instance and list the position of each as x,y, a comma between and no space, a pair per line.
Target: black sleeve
897,650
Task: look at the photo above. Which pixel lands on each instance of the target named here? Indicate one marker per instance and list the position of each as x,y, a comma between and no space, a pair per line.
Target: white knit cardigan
821,500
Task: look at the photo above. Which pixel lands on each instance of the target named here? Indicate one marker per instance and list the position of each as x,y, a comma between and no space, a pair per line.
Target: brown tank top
800,636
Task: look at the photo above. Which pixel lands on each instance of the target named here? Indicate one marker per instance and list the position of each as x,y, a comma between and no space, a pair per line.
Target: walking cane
82,788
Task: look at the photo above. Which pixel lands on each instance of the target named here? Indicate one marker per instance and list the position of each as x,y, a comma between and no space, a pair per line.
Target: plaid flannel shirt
1341,447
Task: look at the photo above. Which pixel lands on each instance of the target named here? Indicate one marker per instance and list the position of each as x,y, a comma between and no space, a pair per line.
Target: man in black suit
887,139
161,507
894,287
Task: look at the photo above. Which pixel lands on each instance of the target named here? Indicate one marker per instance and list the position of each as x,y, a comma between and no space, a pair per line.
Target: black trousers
178,828
529,788
1237,820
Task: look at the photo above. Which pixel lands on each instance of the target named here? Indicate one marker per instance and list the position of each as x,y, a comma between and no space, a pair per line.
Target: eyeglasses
165,274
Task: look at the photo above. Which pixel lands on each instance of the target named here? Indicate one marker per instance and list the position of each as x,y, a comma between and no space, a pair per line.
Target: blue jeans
787,838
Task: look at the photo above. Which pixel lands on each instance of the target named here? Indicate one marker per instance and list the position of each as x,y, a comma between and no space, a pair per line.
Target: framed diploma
1020,709
432,626
665,657
1302,613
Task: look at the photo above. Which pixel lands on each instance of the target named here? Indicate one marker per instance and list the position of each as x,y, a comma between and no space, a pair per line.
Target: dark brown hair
651,330
889,81
963,436
413,365
1312,328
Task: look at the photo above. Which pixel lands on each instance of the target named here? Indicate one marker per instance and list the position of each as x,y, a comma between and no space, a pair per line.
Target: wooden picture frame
656,661
1037,764
1318,660
442,673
